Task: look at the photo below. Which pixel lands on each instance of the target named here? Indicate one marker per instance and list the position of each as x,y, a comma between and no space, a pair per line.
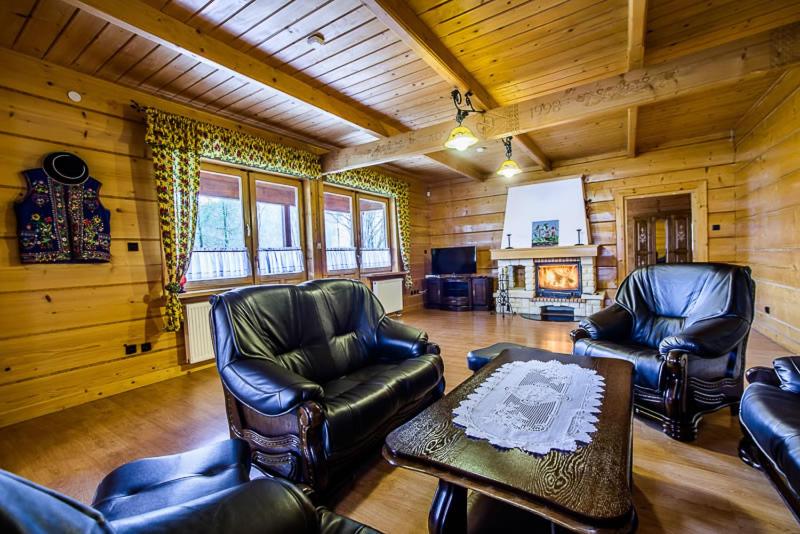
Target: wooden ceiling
513,50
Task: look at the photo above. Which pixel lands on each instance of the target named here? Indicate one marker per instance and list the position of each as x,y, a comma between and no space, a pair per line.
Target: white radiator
390,293
197,329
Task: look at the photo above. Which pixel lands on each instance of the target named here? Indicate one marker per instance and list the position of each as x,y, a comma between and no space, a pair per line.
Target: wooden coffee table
588,490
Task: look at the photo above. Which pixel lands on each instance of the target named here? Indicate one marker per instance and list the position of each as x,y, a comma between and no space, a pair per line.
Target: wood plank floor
697,487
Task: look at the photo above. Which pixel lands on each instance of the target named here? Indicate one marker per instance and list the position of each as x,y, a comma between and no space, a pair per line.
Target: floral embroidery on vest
62,223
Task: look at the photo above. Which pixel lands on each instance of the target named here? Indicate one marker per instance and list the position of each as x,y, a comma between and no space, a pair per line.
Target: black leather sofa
685,328
770,420
315,375
204,491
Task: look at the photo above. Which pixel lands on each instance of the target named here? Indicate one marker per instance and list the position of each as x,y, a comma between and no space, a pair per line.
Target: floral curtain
179,142
369,180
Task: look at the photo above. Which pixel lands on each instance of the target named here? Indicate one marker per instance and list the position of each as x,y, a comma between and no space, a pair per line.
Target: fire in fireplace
559,280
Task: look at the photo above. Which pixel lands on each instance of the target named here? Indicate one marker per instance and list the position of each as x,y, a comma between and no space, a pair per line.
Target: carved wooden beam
399,17
713,68
637,29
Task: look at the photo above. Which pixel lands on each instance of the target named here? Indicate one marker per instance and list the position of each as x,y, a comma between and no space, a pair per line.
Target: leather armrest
266,387
709,338
762,375
613,324
788,371
398,341
268,506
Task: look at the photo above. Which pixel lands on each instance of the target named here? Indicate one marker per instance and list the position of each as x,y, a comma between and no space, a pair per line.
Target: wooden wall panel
63,327
767,218
473,213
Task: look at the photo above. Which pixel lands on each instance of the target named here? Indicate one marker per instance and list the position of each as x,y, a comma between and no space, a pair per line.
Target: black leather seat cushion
479,357
361,402
647,361
772,417
154,483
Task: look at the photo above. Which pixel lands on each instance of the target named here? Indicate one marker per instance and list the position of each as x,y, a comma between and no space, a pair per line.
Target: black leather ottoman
479,357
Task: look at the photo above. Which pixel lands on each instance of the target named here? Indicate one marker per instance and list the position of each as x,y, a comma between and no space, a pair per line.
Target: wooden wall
63,327
768,218
472,213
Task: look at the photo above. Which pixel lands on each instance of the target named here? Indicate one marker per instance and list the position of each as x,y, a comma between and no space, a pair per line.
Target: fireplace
558,278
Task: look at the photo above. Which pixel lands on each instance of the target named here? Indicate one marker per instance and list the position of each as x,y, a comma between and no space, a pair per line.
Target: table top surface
592,483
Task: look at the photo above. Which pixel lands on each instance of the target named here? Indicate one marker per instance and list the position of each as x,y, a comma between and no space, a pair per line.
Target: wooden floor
697,487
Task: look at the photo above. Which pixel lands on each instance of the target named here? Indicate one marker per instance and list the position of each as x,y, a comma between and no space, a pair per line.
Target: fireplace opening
561,279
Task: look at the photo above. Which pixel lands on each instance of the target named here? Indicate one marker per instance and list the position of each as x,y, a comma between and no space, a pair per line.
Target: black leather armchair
200,492
770,420
316,374
685,328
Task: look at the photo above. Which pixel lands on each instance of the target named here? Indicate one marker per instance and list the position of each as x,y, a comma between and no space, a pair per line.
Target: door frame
698,192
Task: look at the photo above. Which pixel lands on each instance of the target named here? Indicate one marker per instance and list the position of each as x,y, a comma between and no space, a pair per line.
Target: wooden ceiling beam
142,19
717,67
399,17
637,30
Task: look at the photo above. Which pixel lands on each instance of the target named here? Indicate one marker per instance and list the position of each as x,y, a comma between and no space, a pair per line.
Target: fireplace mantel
577,251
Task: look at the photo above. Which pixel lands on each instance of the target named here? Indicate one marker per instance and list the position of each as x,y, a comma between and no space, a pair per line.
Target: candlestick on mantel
509,241
579,237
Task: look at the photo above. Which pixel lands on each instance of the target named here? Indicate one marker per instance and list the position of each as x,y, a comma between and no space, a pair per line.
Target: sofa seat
772,418
154,483
366,400
647,362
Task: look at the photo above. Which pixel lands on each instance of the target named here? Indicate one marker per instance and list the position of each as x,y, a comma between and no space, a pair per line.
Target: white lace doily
535,406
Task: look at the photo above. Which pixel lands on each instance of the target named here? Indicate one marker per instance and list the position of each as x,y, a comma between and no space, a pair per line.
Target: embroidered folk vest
59,223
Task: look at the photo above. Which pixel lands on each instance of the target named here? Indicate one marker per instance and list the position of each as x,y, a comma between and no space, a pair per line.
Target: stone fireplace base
522,289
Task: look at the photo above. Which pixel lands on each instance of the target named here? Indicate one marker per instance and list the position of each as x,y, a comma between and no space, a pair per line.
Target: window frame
298,185
391,229
213,283
247,180
387,228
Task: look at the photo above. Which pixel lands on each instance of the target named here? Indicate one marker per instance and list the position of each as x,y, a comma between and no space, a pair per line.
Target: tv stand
459,292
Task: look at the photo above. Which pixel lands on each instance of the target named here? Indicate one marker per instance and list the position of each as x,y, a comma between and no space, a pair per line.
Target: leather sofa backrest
28,508
320,329
665,299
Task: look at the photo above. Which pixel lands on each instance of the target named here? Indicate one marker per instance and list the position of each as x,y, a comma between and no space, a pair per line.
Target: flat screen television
454,260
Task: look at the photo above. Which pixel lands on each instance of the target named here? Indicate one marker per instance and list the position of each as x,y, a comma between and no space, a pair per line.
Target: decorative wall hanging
544,233
60,219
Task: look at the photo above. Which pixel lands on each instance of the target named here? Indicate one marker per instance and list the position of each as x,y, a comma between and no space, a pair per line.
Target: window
220,250
356,244
242,242
278,216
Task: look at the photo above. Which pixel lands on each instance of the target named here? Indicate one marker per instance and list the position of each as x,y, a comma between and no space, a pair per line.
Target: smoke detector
316,40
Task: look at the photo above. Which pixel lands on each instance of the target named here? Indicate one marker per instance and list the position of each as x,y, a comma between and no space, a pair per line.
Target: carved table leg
448,513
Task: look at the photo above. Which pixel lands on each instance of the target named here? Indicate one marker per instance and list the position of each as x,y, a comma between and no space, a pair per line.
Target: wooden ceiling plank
782,88
718,67
401,19
637,30
140,18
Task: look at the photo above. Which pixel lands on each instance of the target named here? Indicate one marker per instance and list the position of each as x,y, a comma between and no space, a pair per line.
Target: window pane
279,243
339,237
375,251
219,249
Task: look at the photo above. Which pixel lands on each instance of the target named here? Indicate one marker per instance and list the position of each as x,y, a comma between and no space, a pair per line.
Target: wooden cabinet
459,293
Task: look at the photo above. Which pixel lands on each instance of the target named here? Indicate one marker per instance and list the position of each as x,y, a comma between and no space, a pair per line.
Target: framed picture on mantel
544,233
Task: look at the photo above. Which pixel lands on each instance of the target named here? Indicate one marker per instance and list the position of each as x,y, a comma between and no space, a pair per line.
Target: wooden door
643,248
679,238
663,238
